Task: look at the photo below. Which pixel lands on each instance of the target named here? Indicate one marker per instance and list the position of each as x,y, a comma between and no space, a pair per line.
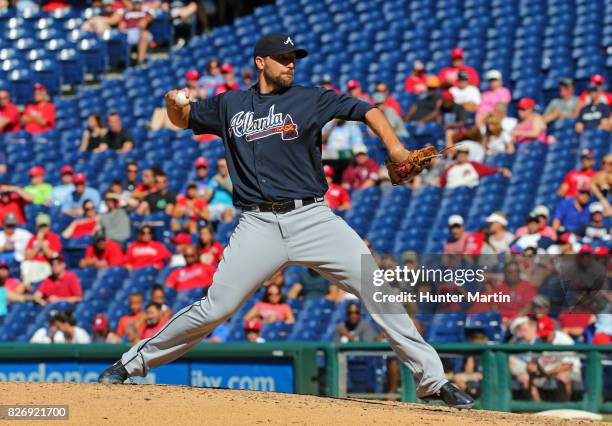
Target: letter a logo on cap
289,41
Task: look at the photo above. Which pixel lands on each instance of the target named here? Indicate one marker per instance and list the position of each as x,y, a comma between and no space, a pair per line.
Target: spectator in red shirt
193,275
390,101
132,325
336,196
39,116
84,226
61,286
363,173
147,185
102,253
353,87
460,242
449,75
145,251
135,21
211,251
13,200
153,320
467,173
9,114
417,81
574,321
575,178
229,80
599,81
46,244
190,209
521,292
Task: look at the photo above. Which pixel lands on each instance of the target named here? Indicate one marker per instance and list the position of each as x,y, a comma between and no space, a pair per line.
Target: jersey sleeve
206,116
332,105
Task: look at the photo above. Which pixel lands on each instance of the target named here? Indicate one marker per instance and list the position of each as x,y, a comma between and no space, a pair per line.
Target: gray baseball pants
311,236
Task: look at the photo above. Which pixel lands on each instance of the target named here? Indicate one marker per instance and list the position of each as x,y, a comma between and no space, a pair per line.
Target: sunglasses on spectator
132,170
273,294
146,231
87,209
354,312
190,256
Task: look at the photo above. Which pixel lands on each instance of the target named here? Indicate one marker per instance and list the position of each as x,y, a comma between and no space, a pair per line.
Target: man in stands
61,286
416,82
599,82
353,87
101,332
596,232
565,106
465,94
118,138
220,190
158,295
328,83
364,173
389,100
131,326
426,109
46,244
115,222
66,186
449,75
468,173
13,200
147,185
252,330
460,242
107,19
341,135
39,116
596,113
572,213
193,275
13,240
102,253
9,114
354,328
145,251
161,200
153,320
392,116
135,21
336,196
72,204
575,178
38,188
229,79
201,178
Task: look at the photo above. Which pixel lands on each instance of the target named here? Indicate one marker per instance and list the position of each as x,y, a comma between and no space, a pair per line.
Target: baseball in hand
181,99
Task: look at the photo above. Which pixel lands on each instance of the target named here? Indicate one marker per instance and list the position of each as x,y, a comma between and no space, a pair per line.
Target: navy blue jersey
273,141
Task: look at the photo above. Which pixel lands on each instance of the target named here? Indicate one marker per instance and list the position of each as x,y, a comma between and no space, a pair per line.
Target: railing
495,386
304,356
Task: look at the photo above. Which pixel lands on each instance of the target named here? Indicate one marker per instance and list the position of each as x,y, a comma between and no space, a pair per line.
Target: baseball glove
406,170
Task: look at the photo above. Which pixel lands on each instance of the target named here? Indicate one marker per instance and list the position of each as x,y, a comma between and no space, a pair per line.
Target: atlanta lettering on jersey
243,124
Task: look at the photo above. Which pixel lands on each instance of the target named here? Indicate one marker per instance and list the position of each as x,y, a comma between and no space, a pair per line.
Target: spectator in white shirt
499,238
68,331
13,239
465,94
341,135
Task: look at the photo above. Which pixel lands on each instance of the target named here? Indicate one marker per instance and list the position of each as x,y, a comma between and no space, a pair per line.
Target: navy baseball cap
277,44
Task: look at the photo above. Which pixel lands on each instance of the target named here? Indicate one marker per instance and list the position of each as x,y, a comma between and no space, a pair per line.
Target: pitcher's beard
280,82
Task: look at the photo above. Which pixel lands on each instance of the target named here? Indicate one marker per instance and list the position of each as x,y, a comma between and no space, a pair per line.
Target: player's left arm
378,123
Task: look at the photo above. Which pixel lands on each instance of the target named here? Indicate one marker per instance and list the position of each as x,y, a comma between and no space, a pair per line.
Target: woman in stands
531,126
211,250
271,308
497,140
84,226
94,135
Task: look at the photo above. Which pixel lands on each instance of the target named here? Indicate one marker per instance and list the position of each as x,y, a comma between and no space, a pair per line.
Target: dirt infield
94,404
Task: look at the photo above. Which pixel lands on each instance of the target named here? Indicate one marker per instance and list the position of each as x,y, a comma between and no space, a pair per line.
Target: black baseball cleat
452,396
114,375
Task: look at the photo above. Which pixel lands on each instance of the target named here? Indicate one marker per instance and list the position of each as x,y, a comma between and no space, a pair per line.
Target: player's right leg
255,251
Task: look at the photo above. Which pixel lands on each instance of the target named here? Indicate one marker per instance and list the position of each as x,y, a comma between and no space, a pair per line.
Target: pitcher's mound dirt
138,405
